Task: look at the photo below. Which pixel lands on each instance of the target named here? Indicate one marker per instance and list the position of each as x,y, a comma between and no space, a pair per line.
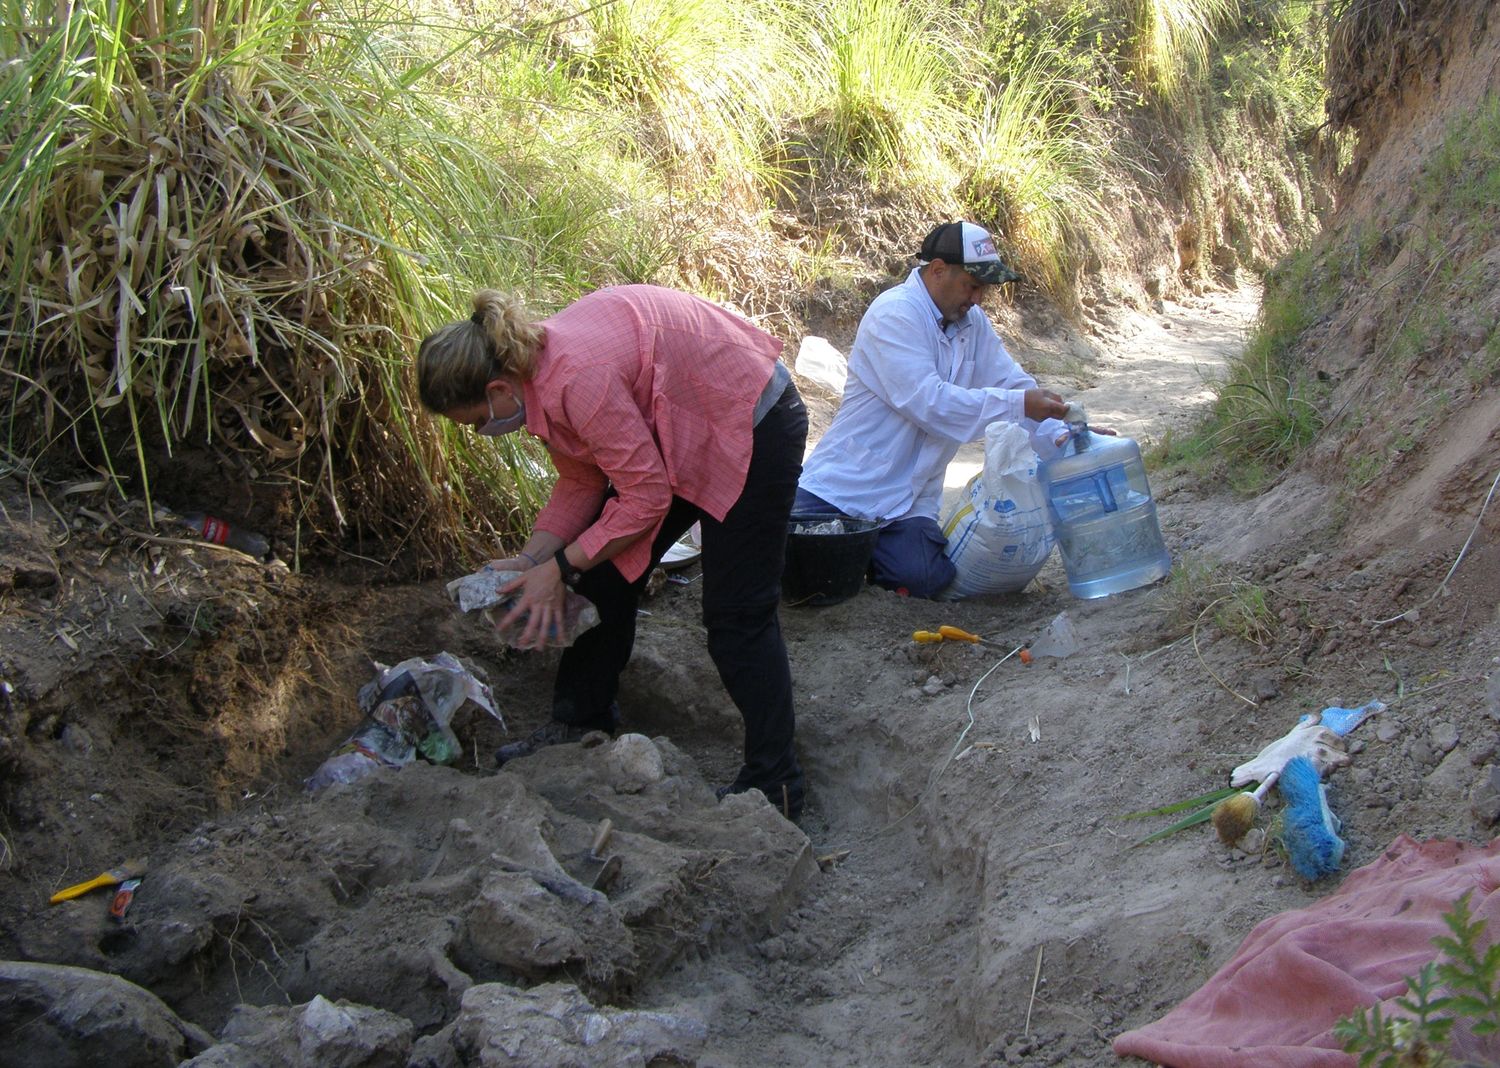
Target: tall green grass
704,80
1038,152
235,247
228,226
887,76
1172,41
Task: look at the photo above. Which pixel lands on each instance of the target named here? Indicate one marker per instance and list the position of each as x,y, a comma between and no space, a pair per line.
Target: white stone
634,763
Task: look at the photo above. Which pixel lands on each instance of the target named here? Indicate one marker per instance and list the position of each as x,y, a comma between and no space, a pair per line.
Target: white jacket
916,392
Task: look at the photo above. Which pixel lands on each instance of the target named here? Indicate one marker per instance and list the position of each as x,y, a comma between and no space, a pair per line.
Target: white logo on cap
984,247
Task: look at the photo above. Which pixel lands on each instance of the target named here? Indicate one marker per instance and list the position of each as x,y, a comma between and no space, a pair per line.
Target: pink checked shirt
650,390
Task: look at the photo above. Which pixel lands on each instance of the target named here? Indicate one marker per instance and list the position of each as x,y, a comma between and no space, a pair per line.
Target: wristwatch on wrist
570,574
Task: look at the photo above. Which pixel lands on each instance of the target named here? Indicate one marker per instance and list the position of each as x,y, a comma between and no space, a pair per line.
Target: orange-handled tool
946,633
957,634
131,869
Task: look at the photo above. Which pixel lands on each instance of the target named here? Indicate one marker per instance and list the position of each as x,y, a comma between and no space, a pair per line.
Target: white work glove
1319,744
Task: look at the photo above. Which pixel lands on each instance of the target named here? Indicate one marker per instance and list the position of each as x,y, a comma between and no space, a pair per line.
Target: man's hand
1044,404
1062,438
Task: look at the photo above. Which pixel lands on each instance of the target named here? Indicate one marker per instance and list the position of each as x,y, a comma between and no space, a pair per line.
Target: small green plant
1480,371
1245,613
1465,171
1201,590
1177,451
1277,72
1462,987
1364,469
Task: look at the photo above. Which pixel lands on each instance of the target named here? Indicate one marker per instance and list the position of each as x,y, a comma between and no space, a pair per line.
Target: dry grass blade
1202,815
1367,44
1215,675
1036,978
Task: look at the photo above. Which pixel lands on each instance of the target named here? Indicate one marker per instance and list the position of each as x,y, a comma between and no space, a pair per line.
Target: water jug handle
1107,495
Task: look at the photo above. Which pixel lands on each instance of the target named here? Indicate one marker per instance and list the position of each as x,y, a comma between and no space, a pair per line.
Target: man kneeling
927,373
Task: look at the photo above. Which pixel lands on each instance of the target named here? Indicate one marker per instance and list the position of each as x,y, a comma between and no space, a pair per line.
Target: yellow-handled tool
946,633
131,869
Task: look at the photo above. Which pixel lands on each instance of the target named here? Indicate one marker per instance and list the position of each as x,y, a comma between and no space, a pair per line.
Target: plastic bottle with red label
213,529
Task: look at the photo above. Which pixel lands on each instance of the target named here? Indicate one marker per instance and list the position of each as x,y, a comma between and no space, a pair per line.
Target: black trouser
743,557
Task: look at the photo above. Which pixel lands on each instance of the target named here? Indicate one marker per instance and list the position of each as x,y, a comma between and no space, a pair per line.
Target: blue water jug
1105,519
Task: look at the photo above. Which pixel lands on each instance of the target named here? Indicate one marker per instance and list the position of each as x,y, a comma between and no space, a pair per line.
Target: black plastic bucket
824,569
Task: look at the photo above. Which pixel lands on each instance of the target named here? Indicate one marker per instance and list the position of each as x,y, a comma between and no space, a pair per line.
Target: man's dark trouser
743,557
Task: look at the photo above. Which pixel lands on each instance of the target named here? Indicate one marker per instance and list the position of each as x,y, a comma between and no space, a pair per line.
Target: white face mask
497,426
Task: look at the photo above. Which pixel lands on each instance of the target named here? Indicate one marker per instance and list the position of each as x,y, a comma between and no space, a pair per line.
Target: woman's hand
537,551
540,601
511,563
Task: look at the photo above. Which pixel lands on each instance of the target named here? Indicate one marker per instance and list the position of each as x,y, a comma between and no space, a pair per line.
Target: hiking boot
785,797
550,733
556,732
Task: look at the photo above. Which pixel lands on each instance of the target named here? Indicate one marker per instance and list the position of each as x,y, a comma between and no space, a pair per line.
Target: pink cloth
1298,973
652,391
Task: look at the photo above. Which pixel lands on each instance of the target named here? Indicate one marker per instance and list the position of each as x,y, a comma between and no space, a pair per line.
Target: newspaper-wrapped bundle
481,592
408,711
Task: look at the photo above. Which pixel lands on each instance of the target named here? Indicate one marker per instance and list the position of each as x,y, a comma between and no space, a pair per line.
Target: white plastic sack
999,533
818,360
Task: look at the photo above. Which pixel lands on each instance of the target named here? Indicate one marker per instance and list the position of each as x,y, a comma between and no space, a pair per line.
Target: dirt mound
403,890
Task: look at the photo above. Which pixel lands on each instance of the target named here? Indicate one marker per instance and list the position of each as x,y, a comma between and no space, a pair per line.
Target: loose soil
962,889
